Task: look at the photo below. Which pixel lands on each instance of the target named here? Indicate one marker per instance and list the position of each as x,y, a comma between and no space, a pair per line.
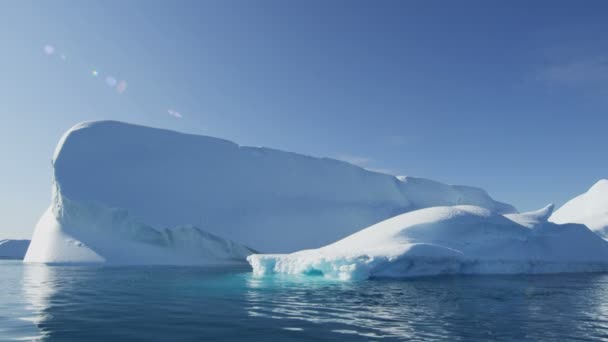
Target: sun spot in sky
95,73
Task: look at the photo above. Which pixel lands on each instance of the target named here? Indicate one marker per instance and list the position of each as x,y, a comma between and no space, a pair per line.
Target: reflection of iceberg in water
342,307
465,308
73,303
38,286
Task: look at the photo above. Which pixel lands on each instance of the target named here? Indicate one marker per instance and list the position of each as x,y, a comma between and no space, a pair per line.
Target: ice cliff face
133,194
590,209
88,232
449,240
13,249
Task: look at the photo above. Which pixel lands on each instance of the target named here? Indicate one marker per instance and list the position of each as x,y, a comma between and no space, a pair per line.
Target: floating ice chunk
440,240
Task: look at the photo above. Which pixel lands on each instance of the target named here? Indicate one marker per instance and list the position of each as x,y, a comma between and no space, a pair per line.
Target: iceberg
128,194
13,249
449,240
590,209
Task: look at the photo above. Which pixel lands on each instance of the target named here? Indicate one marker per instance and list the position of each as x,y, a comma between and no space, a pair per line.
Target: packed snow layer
449,240
590,209
13,249
141,180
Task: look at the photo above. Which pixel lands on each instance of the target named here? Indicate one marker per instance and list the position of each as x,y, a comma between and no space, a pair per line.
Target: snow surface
131,194
446,240
13,249
87,232
590,209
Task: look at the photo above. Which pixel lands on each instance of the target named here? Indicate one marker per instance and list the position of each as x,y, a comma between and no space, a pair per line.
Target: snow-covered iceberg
449,240
130,194
13,249
590,209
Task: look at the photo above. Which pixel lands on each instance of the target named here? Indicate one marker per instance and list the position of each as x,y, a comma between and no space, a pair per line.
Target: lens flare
95,73
111,81
121,87
49,50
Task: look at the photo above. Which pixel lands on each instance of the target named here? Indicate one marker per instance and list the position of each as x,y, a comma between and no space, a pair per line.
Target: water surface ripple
69,303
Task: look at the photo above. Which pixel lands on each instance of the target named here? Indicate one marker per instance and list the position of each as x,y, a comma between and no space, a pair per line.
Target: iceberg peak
533,219
589,208
600,186
543,213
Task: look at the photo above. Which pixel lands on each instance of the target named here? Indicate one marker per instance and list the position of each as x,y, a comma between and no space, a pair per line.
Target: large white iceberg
590,209
13,249
130,194
449,240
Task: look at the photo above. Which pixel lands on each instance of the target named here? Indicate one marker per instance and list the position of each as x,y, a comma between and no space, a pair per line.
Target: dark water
196,304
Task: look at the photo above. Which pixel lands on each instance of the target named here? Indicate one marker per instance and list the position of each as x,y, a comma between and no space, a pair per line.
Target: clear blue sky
510,96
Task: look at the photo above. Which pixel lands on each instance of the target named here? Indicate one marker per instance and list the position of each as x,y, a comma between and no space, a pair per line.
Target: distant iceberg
449,240
127,194
590,209
13,249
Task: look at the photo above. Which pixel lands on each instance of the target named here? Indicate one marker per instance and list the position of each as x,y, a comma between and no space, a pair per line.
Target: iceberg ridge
590,209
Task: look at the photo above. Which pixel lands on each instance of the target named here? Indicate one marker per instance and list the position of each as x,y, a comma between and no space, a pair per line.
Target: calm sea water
63,303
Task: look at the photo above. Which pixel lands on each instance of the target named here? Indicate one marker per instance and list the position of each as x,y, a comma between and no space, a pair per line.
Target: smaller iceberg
590,209
449,240
13,249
